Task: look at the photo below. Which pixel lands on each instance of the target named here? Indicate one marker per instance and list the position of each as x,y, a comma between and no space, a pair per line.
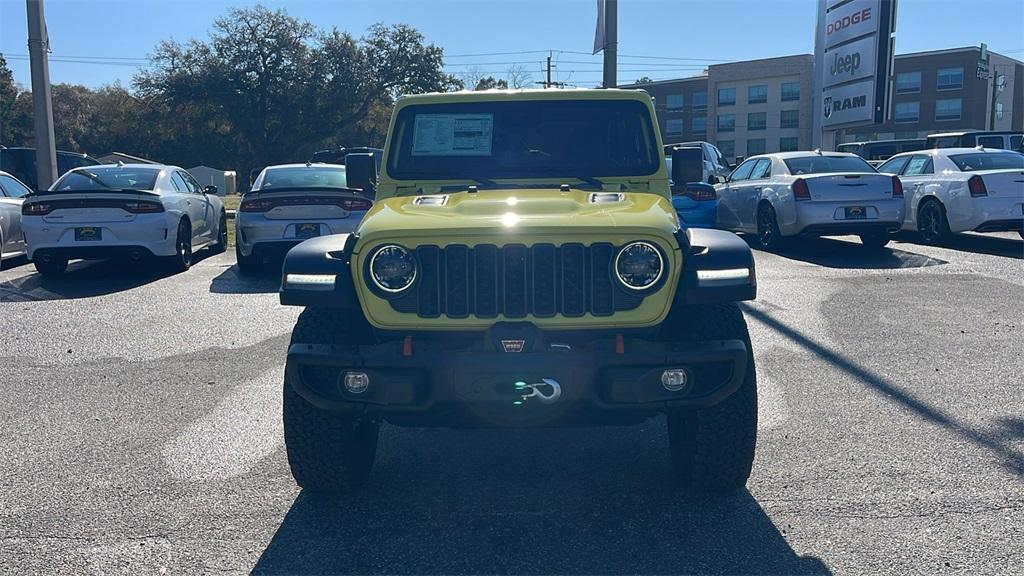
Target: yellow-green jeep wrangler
522,266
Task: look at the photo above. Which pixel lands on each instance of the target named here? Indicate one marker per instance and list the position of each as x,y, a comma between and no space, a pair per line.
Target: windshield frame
401,138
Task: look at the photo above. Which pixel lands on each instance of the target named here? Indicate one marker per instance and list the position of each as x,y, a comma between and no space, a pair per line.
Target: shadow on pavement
13,263
83,279
976,243
832,253
231,281
1000,445
513,501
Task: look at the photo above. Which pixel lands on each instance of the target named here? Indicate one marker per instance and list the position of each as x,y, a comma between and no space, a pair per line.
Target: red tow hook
620,345
407,346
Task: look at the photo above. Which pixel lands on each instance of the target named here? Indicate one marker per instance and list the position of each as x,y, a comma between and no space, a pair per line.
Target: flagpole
611,42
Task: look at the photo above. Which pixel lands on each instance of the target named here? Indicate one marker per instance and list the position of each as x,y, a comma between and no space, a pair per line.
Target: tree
643,80
518,77
490,83
9,132
283,88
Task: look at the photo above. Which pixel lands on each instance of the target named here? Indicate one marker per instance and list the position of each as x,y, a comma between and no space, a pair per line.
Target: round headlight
393,268
639,265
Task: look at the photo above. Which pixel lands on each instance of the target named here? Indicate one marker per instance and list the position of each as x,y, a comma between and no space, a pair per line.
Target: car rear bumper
1009,225
255,230
697,214
987,214
153,234
437,386
819,218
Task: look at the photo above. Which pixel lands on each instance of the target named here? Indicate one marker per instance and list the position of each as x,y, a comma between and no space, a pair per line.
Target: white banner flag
599,33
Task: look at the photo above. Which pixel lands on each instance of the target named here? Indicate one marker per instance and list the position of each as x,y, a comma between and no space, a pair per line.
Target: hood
519,215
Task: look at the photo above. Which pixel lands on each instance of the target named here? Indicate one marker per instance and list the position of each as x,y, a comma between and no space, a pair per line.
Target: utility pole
995,96
549,83
611,42
38,46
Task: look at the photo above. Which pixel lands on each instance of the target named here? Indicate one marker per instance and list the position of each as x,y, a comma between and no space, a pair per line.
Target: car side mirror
687,166
361,172
722,179
210,190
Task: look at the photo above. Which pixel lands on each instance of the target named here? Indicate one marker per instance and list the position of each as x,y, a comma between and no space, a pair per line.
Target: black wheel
932,225
768,233
182,259
247,264
51,267
874,240
713,448
327,452
222,236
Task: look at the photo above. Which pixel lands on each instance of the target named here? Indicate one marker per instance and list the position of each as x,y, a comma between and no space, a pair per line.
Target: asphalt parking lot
142,435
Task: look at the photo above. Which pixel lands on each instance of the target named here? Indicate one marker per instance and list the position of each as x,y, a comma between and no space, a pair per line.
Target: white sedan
12,193
779,196
961,189
132,211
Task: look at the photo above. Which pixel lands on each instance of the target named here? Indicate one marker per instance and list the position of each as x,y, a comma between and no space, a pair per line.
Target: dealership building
758,106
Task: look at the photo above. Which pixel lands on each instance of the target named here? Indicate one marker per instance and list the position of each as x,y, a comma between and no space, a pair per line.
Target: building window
790,91
700,124
674,126
905,135
726,96
789,144
908,82
757,120
726,122
950,78
674,102
909,112
757,94
999,110
700,101
727,148
789,119
947,109
755,146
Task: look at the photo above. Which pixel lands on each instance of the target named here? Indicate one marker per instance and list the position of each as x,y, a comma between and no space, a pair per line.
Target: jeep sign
852,61
853,20
849,103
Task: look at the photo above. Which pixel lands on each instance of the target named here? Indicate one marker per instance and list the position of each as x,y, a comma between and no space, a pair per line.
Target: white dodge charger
961,189
131,211
778,196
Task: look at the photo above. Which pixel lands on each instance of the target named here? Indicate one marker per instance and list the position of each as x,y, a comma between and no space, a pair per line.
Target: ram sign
853,54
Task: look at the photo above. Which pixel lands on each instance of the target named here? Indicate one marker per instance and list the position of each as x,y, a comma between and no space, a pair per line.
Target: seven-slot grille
515,280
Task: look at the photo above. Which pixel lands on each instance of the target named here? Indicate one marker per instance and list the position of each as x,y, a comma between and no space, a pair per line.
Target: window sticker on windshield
452,135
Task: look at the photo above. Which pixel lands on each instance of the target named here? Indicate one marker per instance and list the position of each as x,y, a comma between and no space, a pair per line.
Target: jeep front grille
515,280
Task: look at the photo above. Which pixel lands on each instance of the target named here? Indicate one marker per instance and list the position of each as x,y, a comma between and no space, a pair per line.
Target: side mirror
361,173
722,179
210,190
687,166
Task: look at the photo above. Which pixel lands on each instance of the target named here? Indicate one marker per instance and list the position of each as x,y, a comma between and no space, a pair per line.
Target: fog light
357,382
675,379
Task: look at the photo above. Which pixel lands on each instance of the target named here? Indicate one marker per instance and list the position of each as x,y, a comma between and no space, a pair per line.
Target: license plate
307,230
856,212
88,234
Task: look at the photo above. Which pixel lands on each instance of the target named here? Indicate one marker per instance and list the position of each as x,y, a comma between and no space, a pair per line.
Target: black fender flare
322,256
706,249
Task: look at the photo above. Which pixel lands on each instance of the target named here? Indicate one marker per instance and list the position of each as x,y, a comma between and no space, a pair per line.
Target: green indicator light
520,384
518,402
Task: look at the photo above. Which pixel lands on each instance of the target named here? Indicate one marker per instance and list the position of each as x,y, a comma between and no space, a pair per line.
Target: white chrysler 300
122,210
961,189
778,196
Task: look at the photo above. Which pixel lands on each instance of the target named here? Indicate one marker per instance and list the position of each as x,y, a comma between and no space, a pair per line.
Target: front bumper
472,386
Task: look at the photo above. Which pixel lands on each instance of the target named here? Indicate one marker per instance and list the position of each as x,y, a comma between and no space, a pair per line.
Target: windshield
557,139
304,177
823,164
988,161
108,178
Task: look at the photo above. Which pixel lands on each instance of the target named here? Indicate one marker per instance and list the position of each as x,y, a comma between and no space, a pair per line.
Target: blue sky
694,33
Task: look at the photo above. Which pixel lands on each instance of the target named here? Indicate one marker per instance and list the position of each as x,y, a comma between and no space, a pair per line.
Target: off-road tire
713,448
327,452
221,245
932,224
875,241
52,268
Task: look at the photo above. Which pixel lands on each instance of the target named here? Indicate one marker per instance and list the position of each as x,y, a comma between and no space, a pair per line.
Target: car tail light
143,207
255,205
701,194
355,204
800,190
36,208
977,186
897,187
